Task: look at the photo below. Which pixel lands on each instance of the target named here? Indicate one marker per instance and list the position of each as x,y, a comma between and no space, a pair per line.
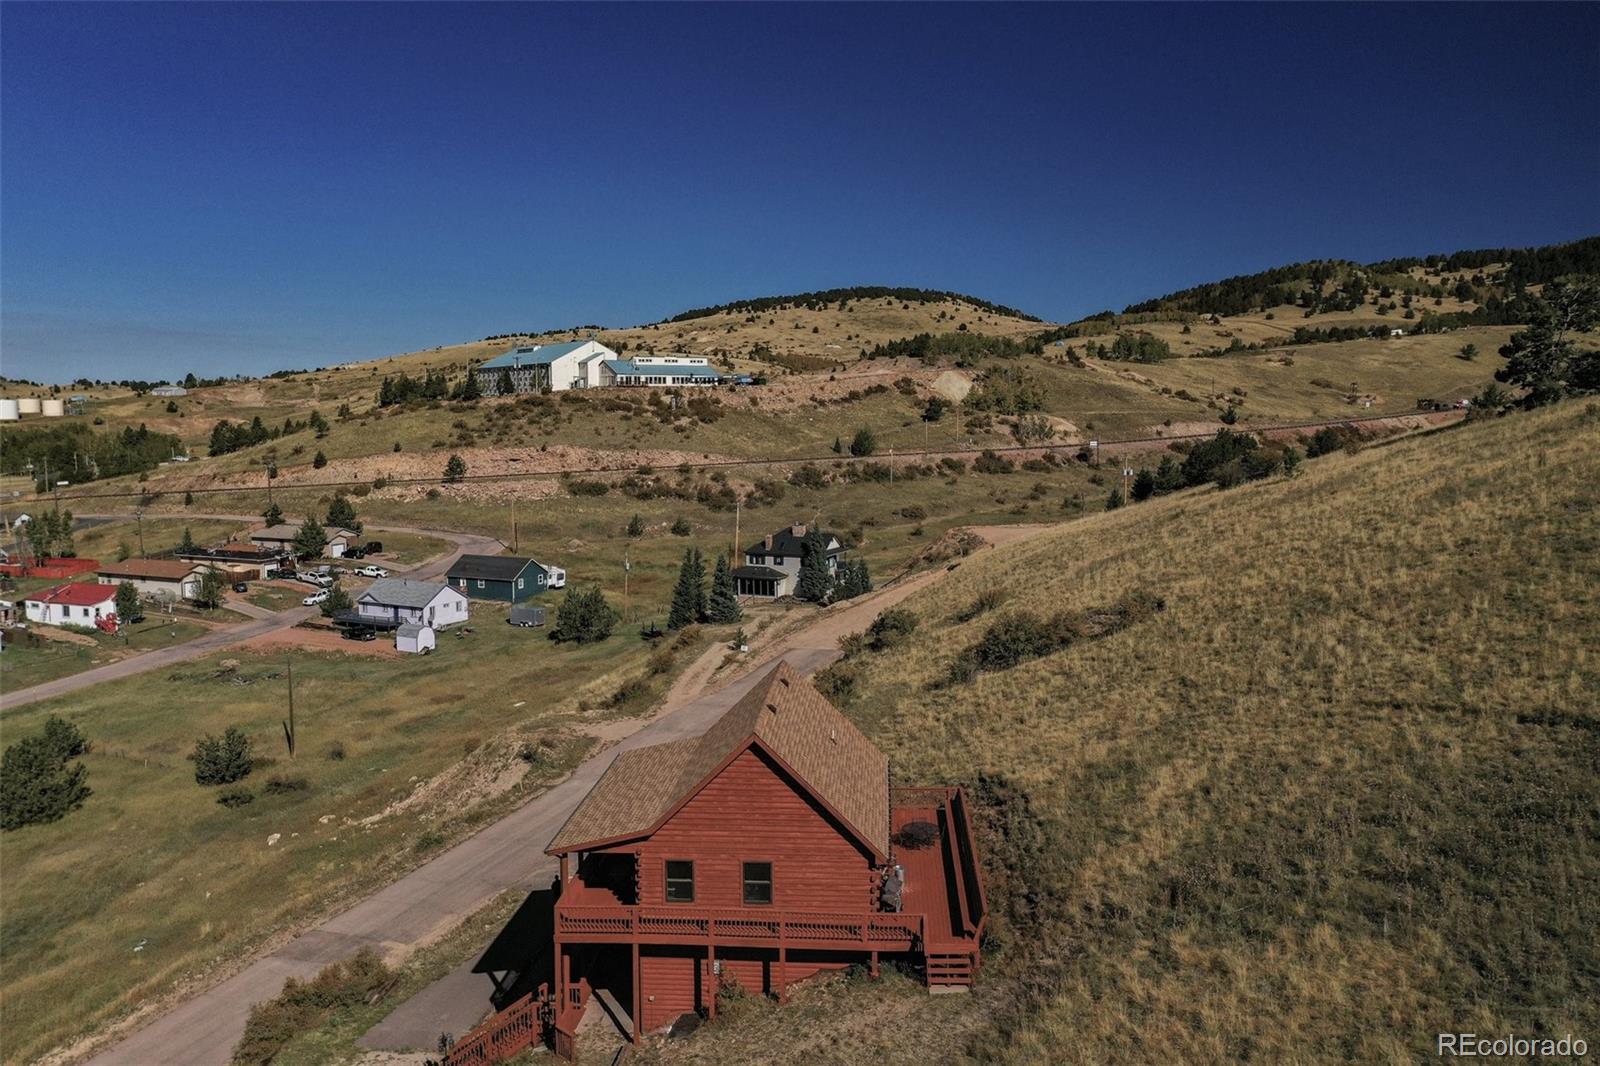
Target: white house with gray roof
772,565
393,600
536,367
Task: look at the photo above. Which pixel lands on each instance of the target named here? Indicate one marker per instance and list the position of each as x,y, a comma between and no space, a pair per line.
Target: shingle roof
74,594
784,542
410,629
490,567
784,713
532,355
763,572
286,531
149,569
402,592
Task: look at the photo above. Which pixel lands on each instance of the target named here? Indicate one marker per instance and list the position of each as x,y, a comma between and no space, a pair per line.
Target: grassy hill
1306,771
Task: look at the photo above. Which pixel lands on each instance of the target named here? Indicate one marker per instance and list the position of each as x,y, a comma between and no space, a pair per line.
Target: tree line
78,453
824,298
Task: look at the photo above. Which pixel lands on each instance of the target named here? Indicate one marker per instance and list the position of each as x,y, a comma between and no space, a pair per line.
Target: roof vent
773,707
767,541
784,681
799,530
833,735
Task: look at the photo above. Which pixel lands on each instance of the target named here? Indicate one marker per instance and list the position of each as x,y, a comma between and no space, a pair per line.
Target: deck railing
507,1033
868,930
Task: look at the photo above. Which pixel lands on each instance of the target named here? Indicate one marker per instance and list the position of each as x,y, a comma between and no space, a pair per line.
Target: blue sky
251,187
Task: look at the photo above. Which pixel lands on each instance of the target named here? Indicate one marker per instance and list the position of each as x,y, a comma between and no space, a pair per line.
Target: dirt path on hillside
803,630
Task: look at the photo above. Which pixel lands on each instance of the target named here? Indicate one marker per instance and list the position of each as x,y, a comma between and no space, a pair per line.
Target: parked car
357,633
354,553
275,574
373,547
373,571
322,581
240,586
316,598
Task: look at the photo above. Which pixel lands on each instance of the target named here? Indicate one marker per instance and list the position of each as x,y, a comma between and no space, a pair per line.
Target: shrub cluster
222,760
1019,636
302,1004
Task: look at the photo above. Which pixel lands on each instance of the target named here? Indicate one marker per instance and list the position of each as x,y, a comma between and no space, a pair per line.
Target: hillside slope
1325,789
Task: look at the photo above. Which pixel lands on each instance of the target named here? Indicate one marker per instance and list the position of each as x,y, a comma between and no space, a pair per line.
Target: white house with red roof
78,603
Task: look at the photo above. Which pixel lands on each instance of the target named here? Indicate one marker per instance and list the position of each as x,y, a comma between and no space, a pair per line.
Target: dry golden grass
1336,797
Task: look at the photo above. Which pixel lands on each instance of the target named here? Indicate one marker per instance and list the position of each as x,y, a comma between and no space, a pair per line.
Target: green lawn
408,549
152,857
31,662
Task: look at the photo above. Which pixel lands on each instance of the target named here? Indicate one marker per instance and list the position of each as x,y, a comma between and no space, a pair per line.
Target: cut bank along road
228,636
509,854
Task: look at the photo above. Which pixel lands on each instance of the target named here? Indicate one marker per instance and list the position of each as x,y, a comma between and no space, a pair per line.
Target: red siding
670,977
751,812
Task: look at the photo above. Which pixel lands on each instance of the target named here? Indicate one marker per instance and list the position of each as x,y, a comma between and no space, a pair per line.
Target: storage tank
28,405
8,410
53,408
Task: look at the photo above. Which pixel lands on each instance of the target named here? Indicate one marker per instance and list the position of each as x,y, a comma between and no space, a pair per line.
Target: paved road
432,899
217,639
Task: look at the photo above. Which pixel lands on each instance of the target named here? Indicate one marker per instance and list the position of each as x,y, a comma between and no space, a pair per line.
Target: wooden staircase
949,971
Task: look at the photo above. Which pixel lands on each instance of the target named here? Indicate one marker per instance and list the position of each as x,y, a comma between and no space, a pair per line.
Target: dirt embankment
554,459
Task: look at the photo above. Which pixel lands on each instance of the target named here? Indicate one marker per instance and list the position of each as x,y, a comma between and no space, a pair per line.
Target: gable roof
402,592
150,569
287,531
784,542
531,355
790,720
490,567
75,594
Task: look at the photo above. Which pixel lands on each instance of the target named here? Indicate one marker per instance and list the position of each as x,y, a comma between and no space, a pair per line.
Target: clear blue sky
245,188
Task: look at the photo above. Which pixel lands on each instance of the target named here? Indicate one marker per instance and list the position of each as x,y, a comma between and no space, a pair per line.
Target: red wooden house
762,851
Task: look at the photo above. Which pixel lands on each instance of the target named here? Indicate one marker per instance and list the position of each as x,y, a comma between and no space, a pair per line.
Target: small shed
414,637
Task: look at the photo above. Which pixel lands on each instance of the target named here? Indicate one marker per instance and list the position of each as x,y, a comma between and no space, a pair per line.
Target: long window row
757,882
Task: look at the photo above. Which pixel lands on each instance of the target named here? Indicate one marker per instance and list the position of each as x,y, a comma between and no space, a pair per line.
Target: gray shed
414,637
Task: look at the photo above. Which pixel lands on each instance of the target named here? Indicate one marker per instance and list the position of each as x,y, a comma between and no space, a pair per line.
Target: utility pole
1127,472
627,568
891,466
140,516
513,524
737,504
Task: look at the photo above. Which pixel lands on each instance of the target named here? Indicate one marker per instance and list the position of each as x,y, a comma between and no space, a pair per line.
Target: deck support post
638,997
872,966
711,981
783,973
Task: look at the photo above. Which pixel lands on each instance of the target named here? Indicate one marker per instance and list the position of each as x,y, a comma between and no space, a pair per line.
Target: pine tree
311,540
319,460
723,607
815,583
187,543
1114,500
127,603
689,593
636,526
273,515
503,385
455,469
1144,485
342,514
699,586
469,387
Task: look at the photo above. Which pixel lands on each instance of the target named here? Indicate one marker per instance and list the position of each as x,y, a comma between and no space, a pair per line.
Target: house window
757,883
777,560
519,582
680,881
480,582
